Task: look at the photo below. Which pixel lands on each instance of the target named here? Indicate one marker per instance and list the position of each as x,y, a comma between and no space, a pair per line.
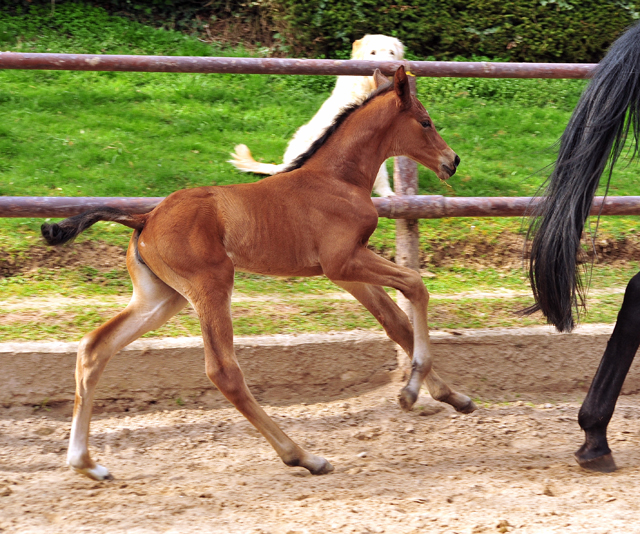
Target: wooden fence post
405,182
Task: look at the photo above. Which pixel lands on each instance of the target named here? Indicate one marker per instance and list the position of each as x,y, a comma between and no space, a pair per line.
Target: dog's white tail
243,161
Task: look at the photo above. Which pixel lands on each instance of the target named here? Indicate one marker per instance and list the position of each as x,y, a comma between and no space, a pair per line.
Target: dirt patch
96,254
22,317
506,251
502,251
185,469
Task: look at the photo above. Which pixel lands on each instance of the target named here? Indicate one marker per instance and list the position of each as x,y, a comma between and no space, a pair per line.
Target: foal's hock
314,220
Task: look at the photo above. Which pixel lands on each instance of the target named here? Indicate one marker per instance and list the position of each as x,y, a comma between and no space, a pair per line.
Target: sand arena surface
505,468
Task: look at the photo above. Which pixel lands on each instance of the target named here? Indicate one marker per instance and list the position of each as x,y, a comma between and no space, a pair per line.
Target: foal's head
416,136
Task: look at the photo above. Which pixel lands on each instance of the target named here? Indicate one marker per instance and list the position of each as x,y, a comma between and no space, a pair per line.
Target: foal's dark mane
346,112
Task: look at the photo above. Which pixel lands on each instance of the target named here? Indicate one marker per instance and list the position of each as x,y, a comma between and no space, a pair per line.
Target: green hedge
516,30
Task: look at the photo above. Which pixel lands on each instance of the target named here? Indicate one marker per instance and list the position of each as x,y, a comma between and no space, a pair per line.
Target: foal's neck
357,149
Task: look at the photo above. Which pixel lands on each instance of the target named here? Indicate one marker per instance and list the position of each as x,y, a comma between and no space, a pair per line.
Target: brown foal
314,219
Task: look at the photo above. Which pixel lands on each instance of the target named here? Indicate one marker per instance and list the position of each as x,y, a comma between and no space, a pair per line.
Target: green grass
148,134
69,322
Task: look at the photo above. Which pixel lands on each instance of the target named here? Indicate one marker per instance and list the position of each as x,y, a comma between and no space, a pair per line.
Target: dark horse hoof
601,464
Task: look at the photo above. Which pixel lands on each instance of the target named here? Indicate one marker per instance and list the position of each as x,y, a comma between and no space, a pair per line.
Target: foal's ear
379,78
402,87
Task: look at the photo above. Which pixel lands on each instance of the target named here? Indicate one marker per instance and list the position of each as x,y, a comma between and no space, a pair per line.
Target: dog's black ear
379,78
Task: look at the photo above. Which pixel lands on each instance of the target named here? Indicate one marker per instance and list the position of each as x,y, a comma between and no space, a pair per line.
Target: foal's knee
416,290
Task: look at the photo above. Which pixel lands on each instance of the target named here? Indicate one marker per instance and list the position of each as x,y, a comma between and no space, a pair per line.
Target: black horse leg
598,406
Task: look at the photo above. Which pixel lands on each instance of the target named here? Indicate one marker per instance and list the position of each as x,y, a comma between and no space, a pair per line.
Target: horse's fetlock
292,457
593,422
293,461
421,367
441,395
80,460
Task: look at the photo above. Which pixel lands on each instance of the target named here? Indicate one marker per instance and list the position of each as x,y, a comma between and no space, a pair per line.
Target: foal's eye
373,52
426,124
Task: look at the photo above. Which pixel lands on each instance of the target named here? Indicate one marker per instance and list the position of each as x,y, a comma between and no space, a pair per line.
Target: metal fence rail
398,207
237,65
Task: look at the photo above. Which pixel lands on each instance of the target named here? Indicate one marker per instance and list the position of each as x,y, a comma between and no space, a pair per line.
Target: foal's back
278,226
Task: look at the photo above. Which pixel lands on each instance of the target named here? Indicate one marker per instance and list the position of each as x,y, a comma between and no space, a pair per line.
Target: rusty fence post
405,182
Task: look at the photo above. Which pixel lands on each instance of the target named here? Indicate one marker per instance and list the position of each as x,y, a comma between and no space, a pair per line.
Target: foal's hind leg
153,303
397,326
211,297
598,406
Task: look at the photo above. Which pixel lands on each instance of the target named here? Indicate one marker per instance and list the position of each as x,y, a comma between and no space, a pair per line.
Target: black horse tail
595,136
69,229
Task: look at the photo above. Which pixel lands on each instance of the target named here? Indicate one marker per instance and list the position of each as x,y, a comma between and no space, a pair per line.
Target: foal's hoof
407,399
316,465
469,407
323,469
96,473
601,464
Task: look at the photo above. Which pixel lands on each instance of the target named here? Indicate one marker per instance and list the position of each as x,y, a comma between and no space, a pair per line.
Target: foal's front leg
362,275
397,326
212,301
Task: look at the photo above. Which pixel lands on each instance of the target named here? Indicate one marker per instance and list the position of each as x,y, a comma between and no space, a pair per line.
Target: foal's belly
275,263
307,271
271,234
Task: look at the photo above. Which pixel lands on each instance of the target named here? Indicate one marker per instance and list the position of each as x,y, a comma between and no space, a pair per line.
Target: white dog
349,90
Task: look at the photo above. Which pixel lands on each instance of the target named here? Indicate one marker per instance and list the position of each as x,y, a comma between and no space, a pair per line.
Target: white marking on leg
98,472
77,449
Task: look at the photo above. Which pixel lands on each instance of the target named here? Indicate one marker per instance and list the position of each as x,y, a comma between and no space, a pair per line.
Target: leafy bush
516,30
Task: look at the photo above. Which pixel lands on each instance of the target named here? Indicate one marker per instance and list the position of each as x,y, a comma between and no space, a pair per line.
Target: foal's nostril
456,161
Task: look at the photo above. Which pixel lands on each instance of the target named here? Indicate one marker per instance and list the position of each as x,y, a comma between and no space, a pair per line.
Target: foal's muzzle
451,170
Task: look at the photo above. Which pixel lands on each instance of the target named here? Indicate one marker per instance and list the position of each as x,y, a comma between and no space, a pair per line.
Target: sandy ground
505,468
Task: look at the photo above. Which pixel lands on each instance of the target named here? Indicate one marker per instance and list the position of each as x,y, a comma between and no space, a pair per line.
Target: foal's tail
242,160
608,109
69,229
